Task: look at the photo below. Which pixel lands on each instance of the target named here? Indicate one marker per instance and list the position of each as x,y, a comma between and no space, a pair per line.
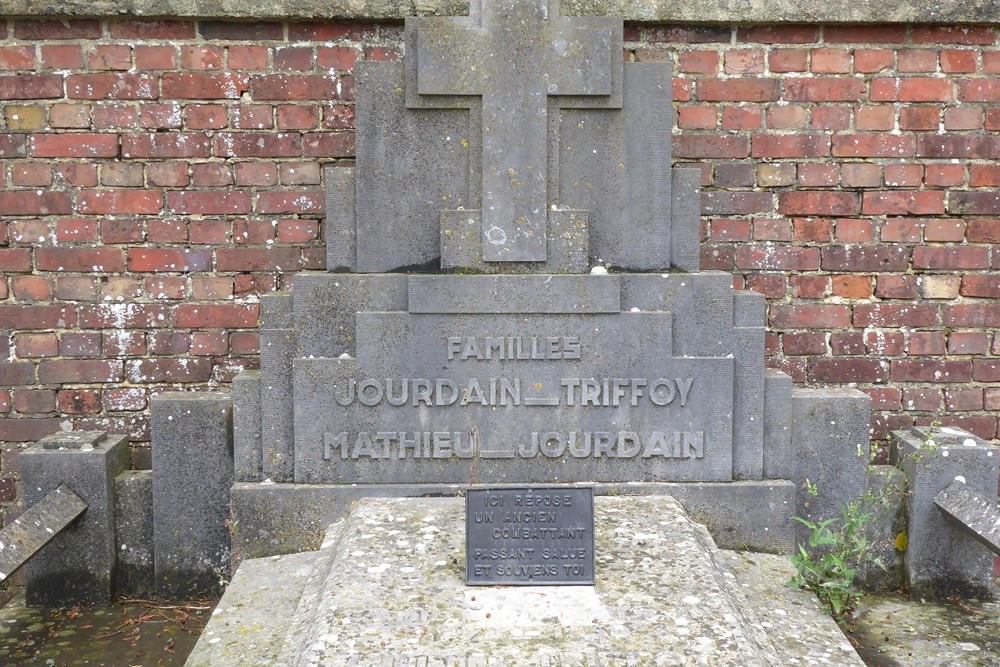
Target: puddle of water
127,634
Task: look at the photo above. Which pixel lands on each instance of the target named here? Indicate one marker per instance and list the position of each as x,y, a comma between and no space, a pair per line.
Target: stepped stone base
286,518
387,588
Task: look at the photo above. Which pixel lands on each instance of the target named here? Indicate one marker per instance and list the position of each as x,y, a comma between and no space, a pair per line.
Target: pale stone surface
387,588
24,536
669,11
978,515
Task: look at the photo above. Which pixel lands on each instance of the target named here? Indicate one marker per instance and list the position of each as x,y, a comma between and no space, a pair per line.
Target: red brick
813,174
252,231
710,146
244,32
249,284
921,398
117,289
124,316
851,286
944,34
79,401
208,343
258,144
247,57
80,344
206,116
204,86
300,173
146,29
35,345
166,145
812,229
328,144
809,316
944,175
167,174
28,430
30,288
203,57
772,286
982,426
730,230
822,89
808,203
126,399
861,175
690,62
293,58
984,175
169,260
216,316
155,57
986,370
291,202
804,344
16,373
297,117
293,87
391,54
69,116
14,259
30,86
981,285
258,259
779,34
741,118
930,370
964,118
61,56
882,343
872,145
944,230
914,89
17,58
874,117
870,61
958,146
853,230
211,288
864,34
169,342
884,398
975,203
145,371
34,202
903,202
83,260
785,146
842,371
903,175
58,29
959,61
919,118
968,342
122,231
329,32
865,258
113,202
244,343
73,145
112,86
917,60
926,342
895,315
697,117
209,203
113,116
831,61
951,257
110,57
124,343
787,60
343,58
209,232
77,288
735,203
738,90
902,230
744,61
59,371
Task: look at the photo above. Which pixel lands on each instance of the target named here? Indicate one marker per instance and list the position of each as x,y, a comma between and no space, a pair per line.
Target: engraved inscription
530,536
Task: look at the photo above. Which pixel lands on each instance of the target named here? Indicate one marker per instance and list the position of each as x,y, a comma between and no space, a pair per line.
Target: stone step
388,588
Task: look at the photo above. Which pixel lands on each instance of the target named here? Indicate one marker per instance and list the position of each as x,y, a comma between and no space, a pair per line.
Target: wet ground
131,633
893,631
888,630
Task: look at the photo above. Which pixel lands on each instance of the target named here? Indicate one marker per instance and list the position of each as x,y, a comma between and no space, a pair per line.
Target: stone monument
513,296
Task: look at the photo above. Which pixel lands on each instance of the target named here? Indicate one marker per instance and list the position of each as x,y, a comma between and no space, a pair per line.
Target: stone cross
514,54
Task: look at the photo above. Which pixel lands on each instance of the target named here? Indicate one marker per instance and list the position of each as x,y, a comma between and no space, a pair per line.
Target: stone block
277,350
341,232
685,246
286,518
514,294
77,567
830,434
979,517
134,533
192,475
885,486
779,458
23,537
941,560
247,420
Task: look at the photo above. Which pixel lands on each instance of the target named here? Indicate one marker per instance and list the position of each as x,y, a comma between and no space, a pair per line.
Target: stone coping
653,11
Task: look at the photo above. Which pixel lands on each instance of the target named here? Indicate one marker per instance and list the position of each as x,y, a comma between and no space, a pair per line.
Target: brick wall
157,176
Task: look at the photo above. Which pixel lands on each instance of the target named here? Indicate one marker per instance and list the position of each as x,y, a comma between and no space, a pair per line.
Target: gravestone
513,297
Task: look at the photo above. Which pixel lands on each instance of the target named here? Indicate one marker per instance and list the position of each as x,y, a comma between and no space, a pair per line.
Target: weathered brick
804,343
258,144
166,145
204,86
124,316
822,89
787,146
146,29
59,371
810,316
981,285
865,258
293,87
843,371
58,29
930,370
302,202
79,401
735,203
328,144
35,202
903,202
28,429
818,203
895,315
112,86
82,145
258,259
883,343
244,32
85,260
974,203
209,203
738,90
872,145
216,316
921,398
114,202
958,146
169,260
911,89
971,315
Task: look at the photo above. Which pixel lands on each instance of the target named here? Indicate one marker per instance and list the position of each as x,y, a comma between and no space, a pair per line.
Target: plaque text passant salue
529,536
